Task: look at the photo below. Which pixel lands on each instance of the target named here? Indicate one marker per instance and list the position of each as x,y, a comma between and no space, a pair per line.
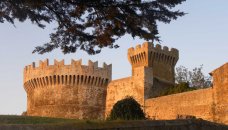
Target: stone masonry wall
197,103
131,86
117,90
69,91
220,87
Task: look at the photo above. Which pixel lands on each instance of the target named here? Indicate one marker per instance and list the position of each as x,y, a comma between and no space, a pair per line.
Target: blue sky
201,37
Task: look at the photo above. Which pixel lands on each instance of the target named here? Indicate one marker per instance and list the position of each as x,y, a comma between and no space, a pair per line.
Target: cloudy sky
201,37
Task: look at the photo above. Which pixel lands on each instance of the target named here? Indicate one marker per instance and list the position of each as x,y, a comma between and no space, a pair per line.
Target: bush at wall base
127,109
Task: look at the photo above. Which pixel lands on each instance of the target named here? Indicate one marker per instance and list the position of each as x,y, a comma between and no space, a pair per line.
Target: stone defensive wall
161,58
137,86
88,92
71,91
197,103
59,73
220,87
119,89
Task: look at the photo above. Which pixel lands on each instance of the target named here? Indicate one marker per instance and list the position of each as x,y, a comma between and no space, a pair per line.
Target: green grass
26,122
58,122
13,119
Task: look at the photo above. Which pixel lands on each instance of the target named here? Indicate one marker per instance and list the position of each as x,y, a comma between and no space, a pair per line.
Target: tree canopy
195,78
91,25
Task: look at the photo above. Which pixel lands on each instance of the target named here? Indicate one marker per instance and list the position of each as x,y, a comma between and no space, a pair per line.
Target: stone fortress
88,92
70,91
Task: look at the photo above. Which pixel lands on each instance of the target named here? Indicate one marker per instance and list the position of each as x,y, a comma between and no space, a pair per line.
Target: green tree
127,109
195,78
91,25
178,88
182,75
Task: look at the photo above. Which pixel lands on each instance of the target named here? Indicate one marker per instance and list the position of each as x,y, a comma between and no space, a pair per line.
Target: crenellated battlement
161,59
74,63
60,74
150,46
148,53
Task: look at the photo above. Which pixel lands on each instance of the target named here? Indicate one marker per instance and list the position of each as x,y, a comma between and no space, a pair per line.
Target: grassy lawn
13,119
59,122
12,122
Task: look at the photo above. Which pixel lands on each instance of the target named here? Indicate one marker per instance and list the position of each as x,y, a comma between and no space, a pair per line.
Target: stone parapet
59,73
146,54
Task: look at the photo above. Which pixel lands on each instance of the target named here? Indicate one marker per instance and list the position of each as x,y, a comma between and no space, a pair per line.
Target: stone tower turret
158,65
161,60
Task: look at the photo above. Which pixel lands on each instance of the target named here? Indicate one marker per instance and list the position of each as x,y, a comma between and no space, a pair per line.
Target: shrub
179,88
127,109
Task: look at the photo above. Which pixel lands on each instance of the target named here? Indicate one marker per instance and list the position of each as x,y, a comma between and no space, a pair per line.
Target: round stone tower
67,91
